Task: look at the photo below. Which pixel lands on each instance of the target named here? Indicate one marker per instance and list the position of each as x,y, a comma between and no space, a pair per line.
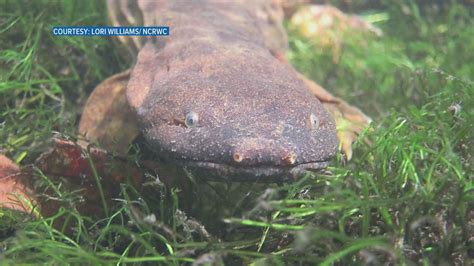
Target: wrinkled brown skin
225,61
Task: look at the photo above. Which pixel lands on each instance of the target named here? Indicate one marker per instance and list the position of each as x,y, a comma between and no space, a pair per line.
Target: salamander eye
314,120
191,119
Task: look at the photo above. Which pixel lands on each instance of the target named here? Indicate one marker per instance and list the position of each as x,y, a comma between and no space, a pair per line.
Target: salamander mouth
264,173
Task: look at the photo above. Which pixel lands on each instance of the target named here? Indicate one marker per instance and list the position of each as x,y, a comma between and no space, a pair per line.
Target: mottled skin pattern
257,120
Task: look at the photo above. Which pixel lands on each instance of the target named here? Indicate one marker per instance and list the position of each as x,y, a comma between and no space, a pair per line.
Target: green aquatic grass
406,197
39,95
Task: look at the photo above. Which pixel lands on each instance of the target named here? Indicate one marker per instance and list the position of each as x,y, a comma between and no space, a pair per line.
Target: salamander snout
256,151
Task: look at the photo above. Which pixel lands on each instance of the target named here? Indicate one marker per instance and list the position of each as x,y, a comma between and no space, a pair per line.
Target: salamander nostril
290,158
238,157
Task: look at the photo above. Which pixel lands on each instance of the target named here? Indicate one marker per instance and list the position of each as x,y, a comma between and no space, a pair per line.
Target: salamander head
224,120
